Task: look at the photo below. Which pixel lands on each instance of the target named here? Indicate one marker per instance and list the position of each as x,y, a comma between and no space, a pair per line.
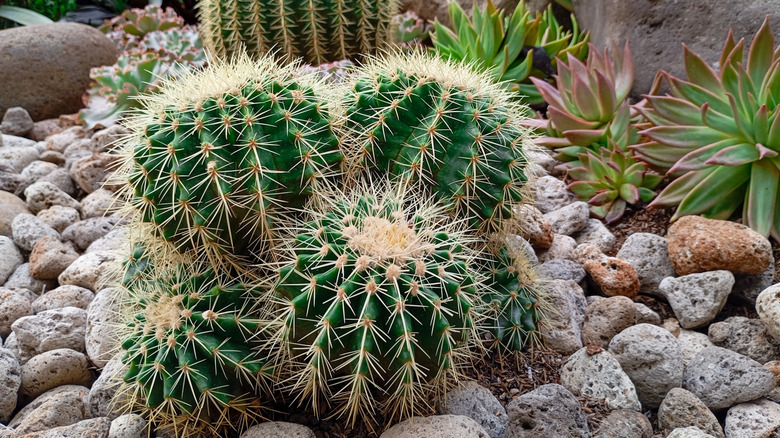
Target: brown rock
697,244
91,172
50,256
43,129
45,68
612,275
532,226
10,206
606,318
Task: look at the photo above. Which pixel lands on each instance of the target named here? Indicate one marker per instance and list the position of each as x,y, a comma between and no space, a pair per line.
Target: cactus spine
444,125
191,346
216,156
319,31
377,298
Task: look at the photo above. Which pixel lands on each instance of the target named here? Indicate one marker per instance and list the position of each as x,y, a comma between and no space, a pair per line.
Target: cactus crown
215,157
316,30
444,125
376,302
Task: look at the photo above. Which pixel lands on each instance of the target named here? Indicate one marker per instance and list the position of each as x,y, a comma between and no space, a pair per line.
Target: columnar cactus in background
377,302
444,125
192,347
511,297
217,155
317,31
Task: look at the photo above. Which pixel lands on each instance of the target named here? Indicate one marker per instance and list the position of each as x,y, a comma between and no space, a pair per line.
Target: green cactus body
319,31
377,299
191,349
512,307
220,153
444,125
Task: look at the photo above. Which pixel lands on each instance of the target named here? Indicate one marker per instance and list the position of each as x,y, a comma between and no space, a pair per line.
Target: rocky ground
672,332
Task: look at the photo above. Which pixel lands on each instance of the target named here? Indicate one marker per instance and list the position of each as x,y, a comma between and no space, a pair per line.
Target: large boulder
657,28
45,68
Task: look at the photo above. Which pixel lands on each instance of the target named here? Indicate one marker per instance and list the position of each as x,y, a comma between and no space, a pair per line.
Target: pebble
623,423
115,240
610,275
91,172
646,315
436,426
756,419
18,157
16,121
748,286
10,206
61,179
50,256
53,157
570,219
532,226
697,244
547,411
596,234
551,194
563,247
472,400
52,413
105,139
86,231
768,309
43,194
71,395
606,318
91,428
747,337
697,298
14,304
65,296
22,279
38,169
133,426
281,429
102,321
28,230
17,141
51,330
10,381
59,217
689,432
599,376
722,378
44,128
652,358
102,400
562,330
692,343
54,368
91,270
10,258
99,203
561,269
79,149
649,255
60,141
681,408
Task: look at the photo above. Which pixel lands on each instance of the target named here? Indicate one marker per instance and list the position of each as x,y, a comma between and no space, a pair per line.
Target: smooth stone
10,258
596,234
648,254
10,381
51,330
50,256
132,426
768,309
54,368
65,296
44,194
570,219
14,304
16,121
563,247
22,279
10,206
92,270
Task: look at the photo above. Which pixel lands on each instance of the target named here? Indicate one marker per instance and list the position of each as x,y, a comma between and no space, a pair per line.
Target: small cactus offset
191,347
444,125
512,308
316,30
217,155
377,303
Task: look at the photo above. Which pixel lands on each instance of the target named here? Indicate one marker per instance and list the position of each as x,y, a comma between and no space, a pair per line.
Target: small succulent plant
318,32
584,102
721,132
139,22
409,29
444,125
610,178
181,44
512,48
335,72
377,302
192,346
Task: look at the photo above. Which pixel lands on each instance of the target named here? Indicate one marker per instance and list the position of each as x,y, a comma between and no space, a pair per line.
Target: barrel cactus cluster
339,244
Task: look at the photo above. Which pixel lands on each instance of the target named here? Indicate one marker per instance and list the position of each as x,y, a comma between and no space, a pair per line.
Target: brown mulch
640,220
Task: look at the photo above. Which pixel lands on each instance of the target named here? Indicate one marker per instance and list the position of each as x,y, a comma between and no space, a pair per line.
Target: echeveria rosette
721,132
512,48
610,178
584,102
139,22
409,29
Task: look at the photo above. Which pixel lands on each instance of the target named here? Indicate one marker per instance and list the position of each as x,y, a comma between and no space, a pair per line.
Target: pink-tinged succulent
721,132
611,178
139,22
409,29
584,102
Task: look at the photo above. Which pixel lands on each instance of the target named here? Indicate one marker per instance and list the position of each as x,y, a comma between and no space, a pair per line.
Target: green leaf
658,155
700,73
675,192
607,99
761,125
684,136
25,17
615,211
773,136
679,111
736,155
761,53
629,193
564,121
646,194
718,184
697,158
761,196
